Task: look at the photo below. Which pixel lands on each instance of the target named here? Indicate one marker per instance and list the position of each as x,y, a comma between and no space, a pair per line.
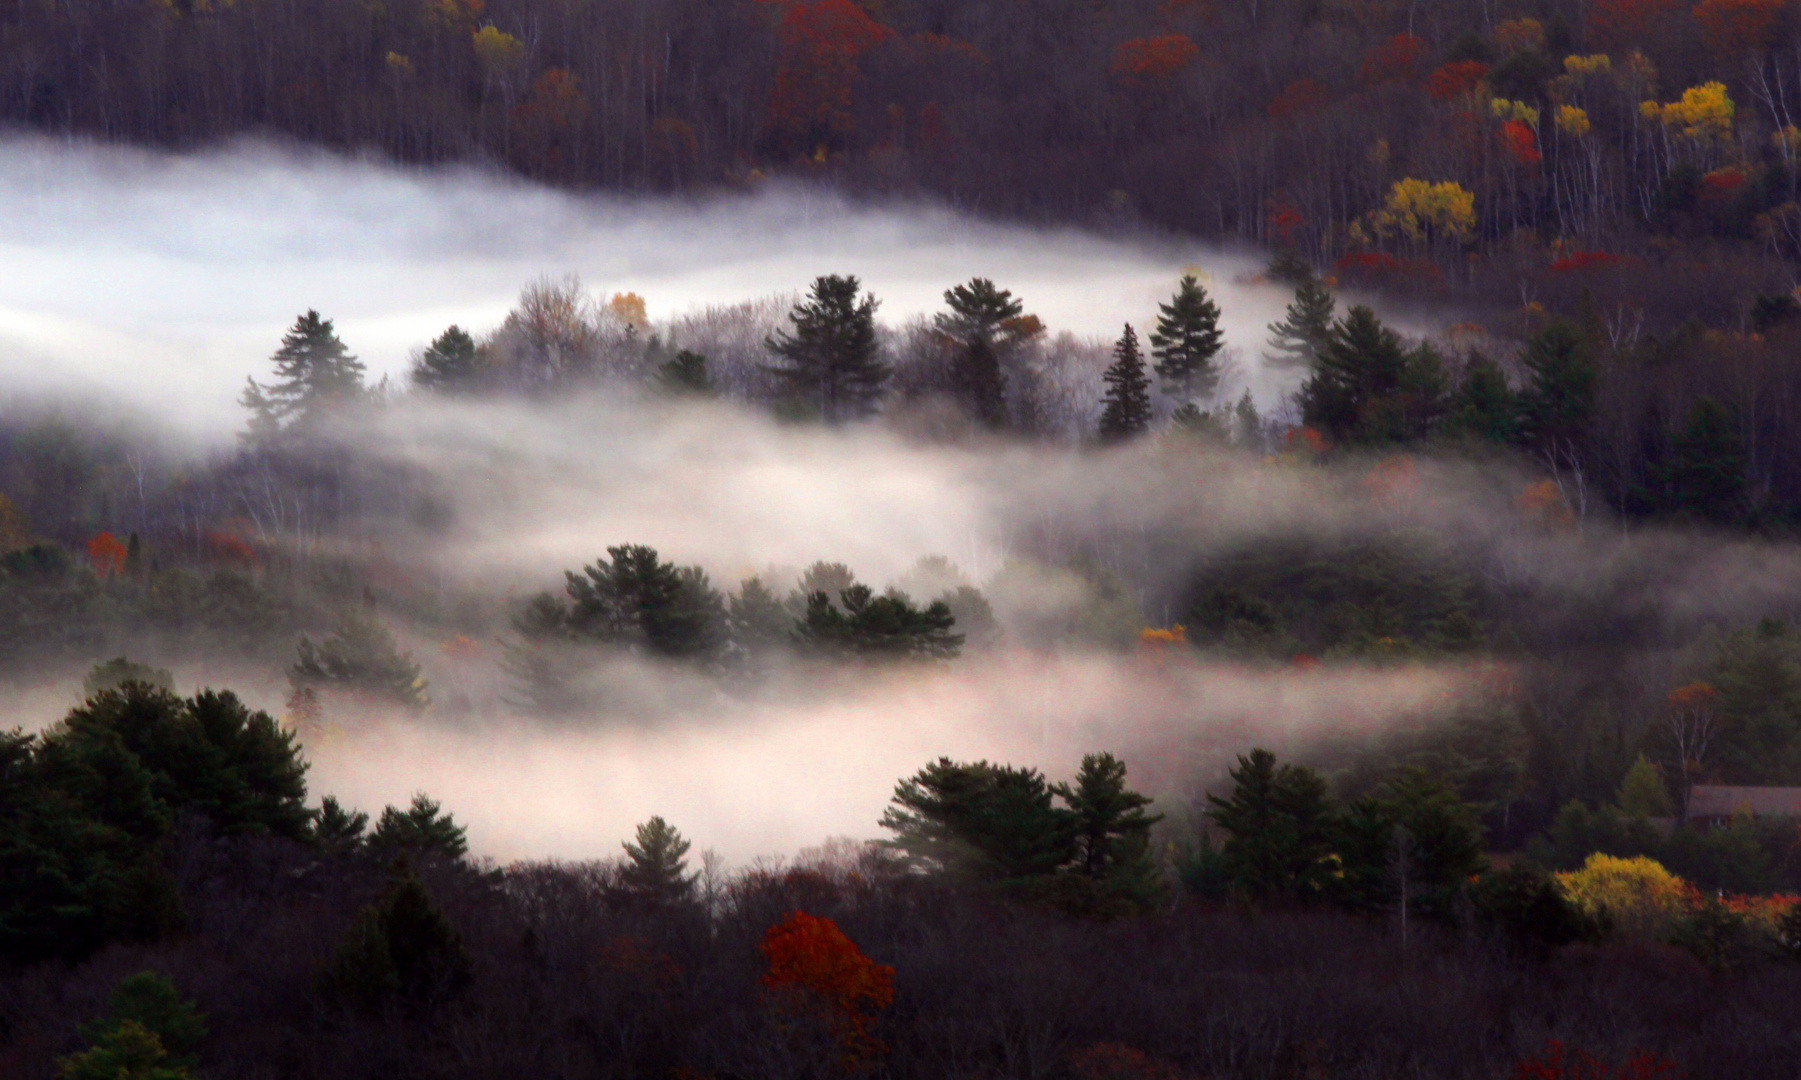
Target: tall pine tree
1559,395
1187,341
1362,363
315,375
1296,342
831,359
1128,401
983,325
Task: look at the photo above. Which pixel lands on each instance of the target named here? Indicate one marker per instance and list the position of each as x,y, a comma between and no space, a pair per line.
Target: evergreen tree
339,831
1247,426
1127,411
822,577
423,828
1643,793
656,870
401,947
1484,406
1111,827
315,374
983,324
866,626
118,671
831,357
1558,399
1704,474
1361,365
451,364
983,821
685,375
1280,818
759,624
1186,341
360,655
152,1002
641,602
1297,341
1443,844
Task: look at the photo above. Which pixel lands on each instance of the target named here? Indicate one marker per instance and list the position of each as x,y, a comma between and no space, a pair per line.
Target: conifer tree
1484,406
868,626
1643,793
1559,396
337,830
639,601
831,358
758,622
657,870
983,325
1111,827
1127,411
980,820
1362,364
315,375
685,375
1247,426
451,364
1296,342
423,828
401,947
1186,341
1704,474
1280,821
361,655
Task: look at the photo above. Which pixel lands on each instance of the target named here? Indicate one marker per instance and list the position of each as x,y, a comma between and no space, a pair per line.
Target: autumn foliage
1148,61
1734,27
815,84
1615,23
1394,60
1555,1063
1298,97
107,554
1521,142
813,966
1456,79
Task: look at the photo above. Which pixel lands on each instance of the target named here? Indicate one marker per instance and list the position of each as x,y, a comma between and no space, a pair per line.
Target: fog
165,280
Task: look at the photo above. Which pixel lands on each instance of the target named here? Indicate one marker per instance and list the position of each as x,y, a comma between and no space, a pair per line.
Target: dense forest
1370,668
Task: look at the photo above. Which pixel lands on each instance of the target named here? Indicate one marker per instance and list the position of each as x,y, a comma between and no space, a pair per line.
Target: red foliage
1584,260
1374,266
229,547
1455,79
107,554
1298,96
1395,60
1733,27
1617,23
1284,220
554,101
1554,1064
1148,61
1722,183
821,41
1521,142
814,965
1306,439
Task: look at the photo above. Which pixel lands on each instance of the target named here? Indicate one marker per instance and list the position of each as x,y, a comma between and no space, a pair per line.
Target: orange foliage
1583,260
1455,79
107,554
1615,23
1116,1061
812,963
1696,695
1147,61
1298,96
1543,502
1156,638
228,547
1521,142
815,82
1304,440
1734,27
1554,1064
1392,478
1395,60
554,101
1284,220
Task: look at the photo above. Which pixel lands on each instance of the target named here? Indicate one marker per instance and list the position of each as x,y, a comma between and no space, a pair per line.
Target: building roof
1715,800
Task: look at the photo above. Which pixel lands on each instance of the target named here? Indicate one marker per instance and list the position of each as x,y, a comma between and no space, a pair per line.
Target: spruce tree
1186,341
1280,820
1127,411
360,655
451,364
1559,396
1362,364
983,324
831,358
1484,406
1247,426
315,375
1704,475
1296,342
656,867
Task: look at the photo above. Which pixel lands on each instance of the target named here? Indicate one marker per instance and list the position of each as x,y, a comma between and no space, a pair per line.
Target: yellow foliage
1175,635
628,309
1516,35
1702,113
1419,209
1514,110
498,51
400,64
1788,139
1572,121
1638,895
1598,64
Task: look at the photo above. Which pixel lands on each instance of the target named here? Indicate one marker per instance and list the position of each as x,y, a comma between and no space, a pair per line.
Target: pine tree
685,375
1296,342
1186,341
656,868
337,830
864,625
1484,406
1280,821
1247,426
452,364
1111,827
1704,475
757,621
1128,401
831,357
423,828
639,601
315,375
1362,364
980,820
360,655
1559,396
400,946
983,325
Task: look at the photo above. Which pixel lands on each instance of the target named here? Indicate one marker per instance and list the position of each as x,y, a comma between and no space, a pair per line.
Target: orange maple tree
813,966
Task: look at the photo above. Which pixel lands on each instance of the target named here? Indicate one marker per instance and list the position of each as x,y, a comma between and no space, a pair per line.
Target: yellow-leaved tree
1637,895
1427,213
